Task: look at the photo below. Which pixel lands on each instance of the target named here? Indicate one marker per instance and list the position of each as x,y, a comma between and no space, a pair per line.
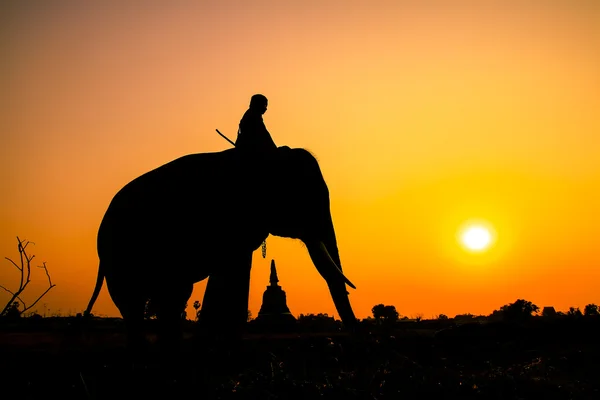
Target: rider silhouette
252,132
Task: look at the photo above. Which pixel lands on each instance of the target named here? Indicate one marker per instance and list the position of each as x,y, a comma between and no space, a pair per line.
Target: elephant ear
273,174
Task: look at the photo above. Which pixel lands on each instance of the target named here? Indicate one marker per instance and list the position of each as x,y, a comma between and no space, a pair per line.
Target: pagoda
274,311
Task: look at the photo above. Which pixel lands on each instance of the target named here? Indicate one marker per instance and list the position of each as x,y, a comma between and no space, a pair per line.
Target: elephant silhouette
202,216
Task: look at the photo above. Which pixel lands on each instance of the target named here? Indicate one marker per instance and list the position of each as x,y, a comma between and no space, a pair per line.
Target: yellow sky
423,115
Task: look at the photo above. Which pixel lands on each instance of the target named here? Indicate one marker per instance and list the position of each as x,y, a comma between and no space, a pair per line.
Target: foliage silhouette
549,312
197,310
591,309
519,310
574,312
385,314
464,318
13,311
321,322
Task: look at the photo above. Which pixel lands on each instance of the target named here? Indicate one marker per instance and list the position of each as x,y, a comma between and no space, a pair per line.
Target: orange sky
423,115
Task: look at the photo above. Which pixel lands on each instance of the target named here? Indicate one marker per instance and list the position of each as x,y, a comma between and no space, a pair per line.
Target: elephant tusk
337,269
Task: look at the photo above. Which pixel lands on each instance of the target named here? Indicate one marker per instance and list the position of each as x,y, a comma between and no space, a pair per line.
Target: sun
476,237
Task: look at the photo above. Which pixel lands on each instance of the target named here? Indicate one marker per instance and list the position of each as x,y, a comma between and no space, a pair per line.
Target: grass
545,360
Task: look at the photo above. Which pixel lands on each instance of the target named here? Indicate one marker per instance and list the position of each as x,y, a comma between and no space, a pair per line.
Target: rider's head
259,102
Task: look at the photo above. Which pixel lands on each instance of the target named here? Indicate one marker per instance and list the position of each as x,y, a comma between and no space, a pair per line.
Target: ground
549,360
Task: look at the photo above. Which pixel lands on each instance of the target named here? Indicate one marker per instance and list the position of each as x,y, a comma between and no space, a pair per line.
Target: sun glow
476,237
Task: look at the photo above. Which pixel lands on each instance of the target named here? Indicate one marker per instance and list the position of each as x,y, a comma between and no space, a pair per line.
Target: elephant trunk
325,256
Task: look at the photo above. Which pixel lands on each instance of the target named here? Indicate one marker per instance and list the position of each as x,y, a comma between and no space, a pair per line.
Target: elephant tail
99,282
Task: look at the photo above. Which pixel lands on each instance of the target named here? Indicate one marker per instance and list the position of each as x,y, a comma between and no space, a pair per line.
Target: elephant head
299,207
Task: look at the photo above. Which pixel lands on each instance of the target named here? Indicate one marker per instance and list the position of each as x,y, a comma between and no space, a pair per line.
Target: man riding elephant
252,132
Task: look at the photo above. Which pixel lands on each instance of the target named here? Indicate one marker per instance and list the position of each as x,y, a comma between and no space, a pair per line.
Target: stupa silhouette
274,312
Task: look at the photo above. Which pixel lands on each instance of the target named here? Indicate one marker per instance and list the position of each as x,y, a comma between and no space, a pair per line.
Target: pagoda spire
273,279
274,313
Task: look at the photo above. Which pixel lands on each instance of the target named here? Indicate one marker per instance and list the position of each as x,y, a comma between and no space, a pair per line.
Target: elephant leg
134,326
133,319
131,306
225,305
170,307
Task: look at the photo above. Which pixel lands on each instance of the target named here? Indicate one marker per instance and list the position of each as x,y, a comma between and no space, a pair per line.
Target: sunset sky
423,115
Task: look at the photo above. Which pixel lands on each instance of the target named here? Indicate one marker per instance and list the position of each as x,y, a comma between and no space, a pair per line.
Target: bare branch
2,287
28,262
38,299
12,299
20,247
29,267
24,286
13,263
21,300
15,296
25,279
47,273
50,286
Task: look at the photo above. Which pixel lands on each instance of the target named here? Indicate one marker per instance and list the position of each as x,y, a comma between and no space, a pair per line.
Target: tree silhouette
387,314
591,309
462,318
197,308
442,317
317,322
520,309
377,311
549,312
13,311
574,312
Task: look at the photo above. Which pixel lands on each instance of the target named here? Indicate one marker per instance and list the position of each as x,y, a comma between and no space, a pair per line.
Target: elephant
201,216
